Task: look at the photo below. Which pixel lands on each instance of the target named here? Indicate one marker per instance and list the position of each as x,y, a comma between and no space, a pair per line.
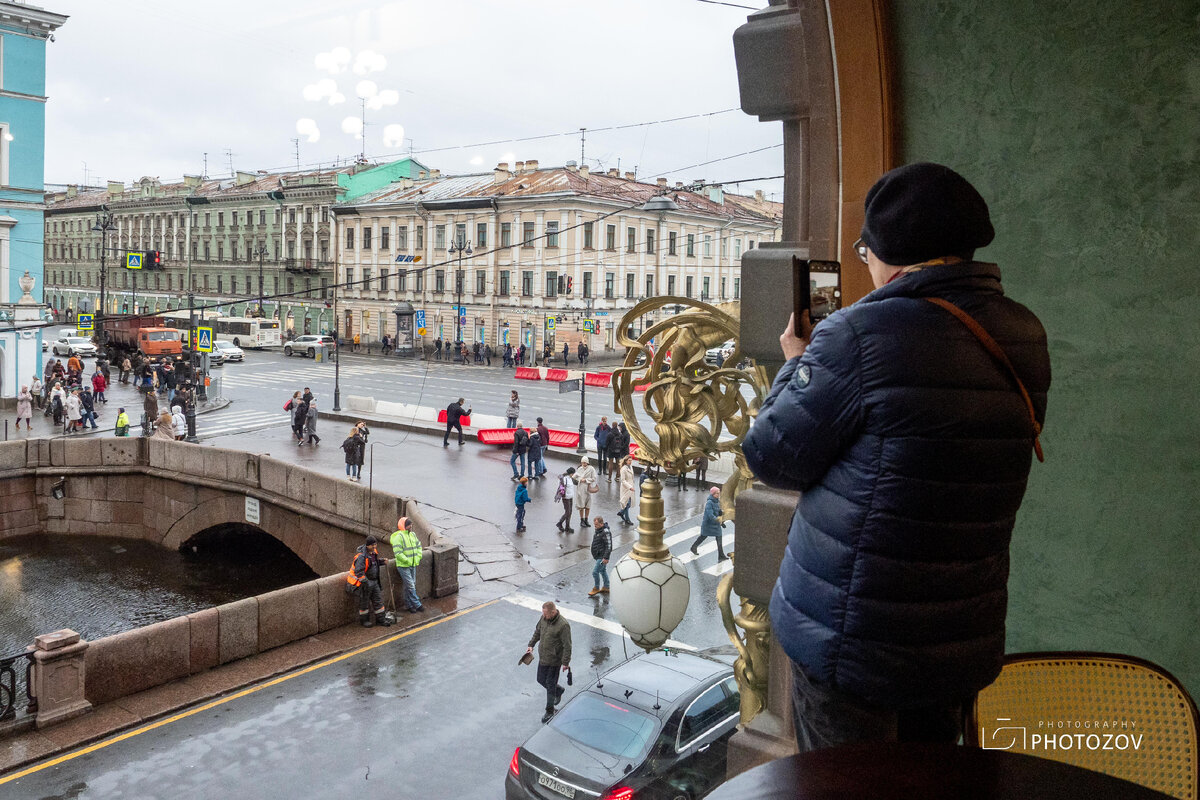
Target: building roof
502,184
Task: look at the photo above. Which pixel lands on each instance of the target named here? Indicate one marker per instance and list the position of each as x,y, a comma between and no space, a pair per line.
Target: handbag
593,488
997,352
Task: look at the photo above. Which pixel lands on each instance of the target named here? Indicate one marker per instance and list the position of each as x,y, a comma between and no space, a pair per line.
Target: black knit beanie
922,211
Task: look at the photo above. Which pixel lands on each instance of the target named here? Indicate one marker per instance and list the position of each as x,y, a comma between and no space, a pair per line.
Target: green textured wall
1080,124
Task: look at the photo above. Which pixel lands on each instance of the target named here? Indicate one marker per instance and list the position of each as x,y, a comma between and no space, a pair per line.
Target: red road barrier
504,436
466,420
641,387
528,374
597,379
556,374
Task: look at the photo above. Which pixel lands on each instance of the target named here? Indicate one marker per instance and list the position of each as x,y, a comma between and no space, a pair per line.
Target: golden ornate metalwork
691,401
753,663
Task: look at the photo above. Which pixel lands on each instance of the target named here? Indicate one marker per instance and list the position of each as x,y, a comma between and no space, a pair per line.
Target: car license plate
555,786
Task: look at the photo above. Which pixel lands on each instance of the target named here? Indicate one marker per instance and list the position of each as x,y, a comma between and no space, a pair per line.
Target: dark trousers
449,427
602,458
720,548
548,677
825,717
370,598
565,520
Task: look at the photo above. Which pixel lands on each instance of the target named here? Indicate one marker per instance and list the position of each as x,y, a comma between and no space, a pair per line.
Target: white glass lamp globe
649,598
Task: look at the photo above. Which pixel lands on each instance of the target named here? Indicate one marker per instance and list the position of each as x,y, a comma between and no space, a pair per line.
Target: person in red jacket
98,386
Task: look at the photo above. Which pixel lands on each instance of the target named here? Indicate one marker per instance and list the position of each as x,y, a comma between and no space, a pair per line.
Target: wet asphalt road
434,714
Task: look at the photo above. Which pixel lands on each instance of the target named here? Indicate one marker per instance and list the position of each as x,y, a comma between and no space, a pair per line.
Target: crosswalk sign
589,326
204,340
133,260
84,322
550,323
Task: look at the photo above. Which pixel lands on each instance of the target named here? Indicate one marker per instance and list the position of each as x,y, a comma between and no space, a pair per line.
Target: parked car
230,350
655,726
74,346
308,344
217,357
717,355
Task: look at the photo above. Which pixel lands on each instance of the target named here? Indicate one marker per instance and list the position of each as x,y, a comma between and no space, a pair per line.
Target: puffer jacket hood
912,448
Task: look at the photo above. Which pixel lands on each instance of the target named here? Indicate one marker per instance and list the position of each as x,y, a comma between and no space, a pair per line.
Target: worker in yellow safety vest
407,549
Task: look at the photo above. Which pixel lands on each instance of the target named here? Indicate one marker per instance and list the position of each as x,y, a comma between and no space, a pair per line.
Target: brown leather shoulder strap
997,353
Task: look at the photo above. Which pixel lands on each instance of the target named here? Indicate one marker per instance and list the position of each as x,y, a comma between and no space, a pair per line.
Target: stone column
58,677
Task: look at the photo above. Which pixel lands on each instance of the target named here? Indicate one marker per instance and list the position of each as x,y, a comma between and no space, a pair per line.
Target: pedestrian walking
618,443
601,552
354,446
38,392
701,470
566,355
87,408
48,372
547,355
406,548
521,498
519,450
292,406
386,342
683,467
149,412
487,354
508,356
554,654
437,348
544,435
298,420
566,496
122,426
99,384
179,422
165,427
454,415
25,408
711,523
513,411
585,477
310,424
521,356
123,371
364,578
74,409
587,353
75,363
628,489
600,436
535,449
579,351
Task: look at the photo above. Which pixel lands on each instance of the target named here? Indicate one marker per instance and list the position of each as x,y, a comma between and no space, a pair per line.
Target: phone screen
816,287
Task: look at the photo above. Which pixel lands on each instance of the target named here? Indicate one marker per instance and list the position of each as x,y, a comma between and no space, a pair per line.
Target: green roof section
368,180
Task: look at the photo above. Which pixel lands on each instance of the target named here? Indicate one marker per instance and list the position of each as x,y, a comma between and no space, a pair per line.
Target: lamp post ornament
692,403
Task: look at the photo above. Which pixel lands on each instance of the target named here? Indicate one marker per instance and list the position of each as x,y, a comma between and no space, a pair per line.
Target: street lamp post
337,356
261,252
104,224
461,248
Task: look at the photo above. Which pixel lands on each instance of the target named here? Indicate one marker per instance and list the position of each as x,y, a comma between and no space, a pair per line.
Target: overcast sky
147,87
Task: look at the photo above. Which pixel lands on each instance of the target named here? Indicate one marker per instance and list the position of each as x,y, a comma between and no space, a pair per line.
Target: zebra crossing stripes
224,423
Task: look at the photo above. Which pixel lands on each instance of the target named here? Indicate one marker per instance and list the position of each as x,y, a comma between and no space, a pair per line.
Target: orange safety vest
353,579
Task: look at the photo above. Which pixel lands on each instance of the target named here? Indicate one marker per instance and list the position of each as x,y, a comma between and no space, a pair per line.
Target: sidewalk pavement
119,395
600,361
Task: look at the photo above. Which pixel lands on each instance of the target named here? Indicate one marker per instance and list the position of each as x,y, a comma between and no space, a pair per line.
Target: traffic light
152,260
570,284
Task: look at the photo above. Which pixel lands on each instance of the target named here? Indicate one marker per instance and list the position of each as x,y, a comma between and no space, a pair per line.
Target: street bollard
190,415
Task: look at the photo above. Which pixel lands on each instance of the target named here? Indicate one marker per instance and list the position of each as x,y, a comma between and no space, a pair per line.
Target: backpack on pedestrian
561,493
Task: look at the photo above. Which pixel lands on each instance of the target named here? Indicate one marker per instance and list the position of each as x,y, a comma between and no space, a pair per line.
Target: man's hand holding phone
794,342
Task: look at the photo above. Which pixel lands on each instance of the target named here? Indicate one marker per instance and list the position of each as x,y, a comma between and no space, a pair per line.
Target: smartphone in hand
816,288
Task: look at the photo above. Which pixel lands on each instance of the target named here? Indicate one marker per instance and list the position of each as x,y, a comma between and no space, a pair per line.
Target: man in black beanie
911,443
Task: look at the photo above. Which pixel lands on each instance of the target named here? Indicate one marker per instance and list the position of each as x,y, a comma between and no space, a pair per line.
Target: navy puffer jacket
911,447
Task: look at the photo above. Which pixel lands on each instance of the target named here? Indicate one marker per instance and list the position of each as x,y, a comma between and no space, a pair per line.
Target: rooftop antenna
582,143
362,153
296,144
229,155
85,174
656,703
204,172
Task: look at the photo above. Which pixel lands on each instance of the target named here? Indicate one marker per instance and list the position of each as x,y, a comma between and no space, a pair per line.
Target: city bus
249,332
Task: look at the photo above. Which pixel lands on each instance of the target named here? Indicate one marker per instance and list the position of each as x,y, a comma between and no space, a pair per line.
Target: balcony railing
306,265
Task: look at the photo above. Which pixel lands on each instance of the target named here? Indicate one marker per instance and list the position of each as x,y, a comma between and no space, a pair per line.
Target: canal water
100,585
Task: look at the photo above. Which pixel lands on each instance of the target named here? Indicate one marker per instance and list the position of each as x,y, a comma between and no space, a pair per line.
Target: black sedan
656,726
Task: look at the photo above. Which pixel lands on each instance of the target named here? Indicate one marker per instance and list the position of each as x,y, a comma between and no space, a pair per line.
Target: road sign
550,323
133,261
420,320
204,340
84,322
589,326
568,386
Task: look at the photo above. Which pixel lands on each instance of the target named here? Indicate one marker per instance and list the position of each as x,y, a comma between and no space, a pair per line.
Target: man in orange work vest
364,575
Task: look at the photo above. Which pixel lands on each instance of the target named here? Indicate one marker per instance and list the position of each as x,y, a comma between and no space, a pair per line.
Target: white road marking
534,604
709,546
720,568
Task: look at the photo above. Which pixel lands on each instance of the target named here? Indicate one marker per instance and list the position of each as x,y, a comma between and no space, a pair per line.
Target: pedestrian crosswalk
229,421
708,547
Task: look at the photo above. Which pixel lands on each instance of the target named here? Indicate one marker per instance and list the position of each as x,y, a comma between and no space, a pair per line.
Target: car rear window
77,340
607,726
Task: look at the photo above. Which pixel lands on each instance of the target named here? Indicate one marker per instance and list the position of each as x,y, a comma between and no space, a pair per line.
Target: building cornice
36,21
